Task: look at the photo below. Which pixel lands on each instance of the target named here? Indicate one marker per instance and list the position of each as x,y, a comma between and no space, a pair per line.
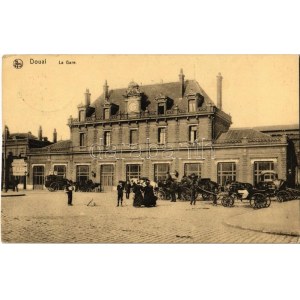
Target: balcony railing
145,115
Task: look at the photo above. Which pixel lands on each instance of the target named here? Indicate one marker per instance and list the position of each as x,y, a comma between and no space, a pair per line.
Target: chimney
40,134
87,97
219,91
54,136
105,90
181,80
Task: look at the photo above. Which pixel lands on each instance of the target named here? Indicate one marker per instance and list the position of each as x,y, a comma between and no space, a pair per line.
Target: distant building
15,148
153,129
293,159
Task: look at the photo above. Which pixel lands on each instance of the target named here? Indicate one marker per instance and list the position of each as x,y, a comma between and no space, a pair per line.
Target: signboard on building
19,167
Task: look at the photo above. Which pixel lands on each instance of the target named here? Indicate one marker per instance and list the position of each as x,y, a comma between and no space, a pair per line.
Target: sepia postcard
162,149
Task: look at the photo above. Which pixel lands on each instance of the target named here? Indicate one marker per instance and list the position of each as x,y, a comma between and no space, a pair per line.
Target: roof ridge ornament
133,89
161,96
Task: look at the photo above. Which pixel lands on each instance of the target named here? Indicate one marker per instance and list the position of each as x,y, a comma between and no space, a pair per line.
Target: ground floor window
192,169
60,171
107,175
160,171
38,177
133,171
82,173
260,166
226,171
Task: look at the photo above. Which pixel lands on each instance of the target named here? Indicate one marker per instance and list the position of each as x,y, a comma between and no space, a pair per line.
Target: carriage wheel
259,200
227,201
268,201
224,201
282,196
53,187
291,195
50,189
231,201
232,198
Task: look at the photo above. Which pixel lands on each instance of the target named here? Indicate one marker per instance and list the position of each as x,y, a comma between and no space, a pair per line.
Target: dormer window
194,101
161,104
192,105
106,113
161,109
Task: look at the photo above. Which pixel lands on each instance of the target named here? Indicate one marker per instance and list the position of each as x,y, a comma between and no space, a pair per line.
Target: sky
258,90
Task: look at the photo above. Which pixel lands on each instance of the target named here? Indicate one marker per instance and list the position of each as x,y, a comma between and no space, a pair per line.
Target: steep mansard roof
172,90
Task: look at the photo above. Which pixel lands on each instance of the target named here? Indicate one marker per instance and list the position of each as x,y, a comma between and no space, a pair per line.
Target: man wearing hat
120,193
69,192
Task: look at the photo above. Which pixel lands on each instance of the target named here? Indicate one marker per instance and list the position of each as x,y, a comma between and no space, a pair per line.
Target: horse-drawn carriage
269,187
258,198
163,190
194,186
86,186
54,183
184,189
277,188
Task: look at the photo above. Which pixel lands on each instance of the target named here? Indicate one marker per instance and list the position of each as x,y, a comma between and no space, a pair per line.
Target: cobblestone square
45,217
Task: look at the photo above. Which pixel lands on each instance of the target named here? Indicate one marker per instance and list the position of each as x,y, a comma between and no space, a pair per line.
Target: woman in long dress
149,197
138,196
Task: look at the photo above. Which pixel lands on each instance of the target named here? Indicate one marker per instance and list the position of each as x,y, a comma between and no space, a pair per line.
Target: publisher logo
18,63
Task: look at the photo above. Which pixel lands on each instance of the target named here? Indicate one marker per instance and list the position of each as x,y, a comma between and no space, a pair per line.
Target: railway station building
149,130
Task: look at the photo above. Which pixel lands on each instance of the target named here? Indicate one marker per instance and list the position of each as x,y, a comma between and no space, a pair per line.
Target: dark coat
127,187
149,197
138,196
120,190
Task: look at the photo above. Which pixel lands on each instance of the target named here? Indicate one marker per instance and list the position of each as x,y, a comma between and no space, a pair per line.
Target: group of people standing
143,193
174,188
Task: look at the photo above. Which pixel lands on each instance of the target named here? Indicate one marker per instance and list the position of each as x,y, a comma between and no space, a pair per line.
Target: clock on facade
133,107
